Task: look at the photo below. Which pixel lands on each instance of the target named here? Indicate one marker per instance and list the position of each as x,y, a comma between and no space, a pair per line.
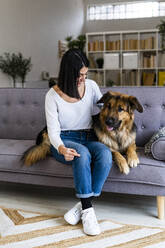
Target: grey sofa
22,117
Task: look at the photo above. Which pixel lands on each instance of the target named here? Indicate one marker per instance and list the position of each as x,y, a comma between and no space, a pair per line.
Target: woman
69,107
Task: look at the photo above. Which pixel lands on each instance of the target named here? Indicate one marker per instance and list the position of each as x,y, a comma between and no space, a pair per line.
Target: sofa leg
160,206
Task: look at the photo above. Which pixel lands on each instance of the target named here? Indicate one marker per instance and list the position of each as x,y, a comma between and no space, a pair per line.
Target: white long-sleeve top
62,115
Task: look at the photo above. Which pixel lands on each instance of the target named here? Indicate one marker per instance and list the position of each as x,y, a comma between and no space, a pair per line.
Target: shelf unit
144,47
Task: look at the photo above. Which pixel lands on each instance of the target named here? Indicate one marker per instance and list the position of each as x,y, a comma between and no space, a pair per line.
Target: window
127,10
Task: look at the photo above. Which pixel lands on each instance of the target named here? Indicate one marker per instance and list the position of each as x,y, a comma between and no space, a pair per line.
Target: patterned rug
23,229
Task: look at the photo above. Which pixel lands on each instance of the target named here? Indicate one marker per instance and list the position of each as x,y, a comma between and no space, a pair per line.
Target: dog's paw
123,166
126,170
133,162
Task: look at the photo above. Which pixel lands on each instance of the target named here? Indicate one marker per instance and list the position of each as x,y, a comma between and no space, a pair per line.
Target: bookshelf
129,58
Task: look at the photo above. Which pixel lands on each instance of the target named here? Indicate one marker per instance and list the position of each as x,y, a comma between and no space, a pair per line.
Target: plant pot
100,63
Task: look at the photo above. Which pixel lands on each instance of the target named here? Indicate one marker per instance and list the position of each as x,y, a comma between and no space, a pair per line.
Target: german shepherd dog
114,126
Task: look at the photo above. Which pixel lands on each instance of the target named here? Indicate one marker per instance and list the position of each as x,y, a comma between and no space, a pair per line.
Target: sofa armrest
158,149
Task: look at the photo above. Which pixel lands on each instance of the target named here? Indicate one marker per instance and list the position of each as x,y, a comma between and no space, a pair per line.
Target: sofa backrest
22,113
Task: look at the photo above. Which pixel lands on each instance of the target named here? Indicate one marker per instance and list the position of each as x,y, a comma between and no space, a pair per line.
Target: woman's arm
54,129
52,121
68,153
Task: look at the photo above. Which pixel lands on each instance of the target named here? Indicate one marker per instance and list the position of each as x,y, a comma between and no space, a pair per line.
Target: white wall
117,25
34,27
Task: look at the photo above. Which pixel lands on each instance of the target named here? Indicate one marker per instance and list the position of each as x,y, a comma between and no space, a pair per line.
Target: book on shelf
152,61
149,61
101,46
97,77
117,44
148,78
142,44
96,45
162,60
92,62
149,43
161,81
125,44
130,78
112,45
108,45
128,44
131,44
92,46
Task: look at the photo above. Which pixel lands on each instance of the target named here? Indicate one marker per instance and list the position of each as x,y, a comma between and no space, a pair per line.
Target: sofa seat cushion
10,155
149,171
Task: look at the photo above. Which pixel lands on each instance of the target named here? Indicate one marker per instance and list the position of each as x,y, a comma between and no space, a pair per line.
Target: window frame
121,15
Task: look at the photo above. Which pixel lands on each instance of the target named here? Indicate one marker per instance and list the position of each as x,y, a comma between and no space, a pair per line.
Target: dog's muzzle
112,123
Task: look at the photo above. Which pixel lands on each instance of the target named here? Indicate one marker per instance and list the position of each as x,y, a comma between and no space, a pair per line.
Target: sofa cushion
14,147
149,171
10,155
156,136
158,149
22,111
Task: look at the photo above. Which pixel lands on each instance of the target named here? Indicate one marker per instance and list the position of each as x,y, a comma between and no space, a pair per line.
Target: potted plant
79,42
9,66
161,28
24,66
110,83
16,66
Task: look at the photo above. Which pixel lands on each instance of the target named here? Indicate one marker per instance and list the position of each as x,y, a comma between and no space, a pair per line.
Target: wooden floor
118,207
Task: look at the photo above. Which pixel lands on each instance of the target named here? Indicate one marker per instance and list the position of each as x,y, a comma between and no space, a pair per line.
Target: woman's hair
72,62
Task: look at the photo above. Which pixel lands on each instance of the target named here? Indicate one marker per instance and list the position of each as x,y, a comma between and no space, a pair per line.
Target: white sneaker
89,221
73,216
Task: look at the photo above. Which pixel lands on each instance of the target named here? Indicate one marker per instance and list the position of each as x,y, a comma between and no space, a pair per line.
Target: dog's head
118,110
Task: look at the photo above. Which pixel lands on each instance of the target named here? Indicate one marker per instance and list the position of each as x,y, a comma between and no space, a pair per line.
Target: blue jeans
91,169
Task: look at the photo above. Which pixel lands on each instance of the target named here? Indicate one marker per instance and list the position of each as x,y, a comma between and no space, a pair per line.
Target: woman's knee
105,154
85,156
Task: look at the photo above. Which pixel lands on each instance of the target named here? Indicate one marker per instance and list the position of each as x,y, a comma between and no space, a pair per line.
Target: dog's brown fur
114,126
39,151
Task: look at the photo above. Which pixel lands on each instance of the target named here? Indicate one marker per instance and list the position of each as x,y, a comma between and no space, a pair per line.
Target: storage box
130,60
111,61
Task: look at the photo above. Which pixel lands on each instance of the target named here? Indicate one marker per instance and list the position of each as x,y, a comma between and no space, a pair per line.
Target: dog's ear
134,103
105,98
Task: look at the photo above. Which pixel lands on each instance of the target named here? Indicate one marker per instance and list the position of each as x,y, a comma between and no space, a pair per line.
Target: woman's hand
68,153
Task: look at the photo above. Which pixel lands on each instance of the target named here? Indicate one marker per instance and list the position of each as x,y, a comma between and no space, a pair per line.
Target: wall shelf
126,47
